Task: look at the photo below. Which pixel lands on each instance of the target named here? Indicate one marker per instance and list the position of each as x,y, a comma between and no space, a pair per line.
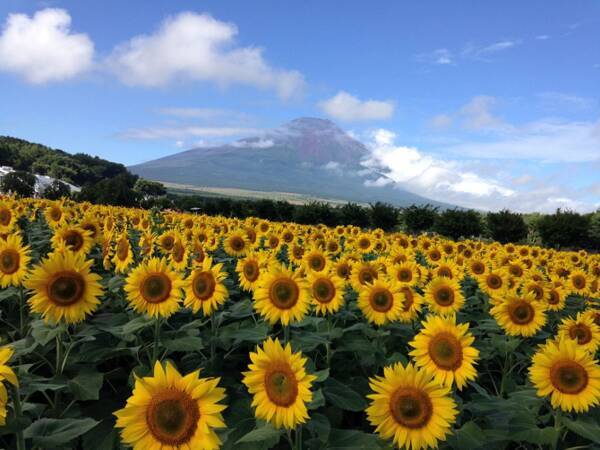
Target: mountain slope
307,156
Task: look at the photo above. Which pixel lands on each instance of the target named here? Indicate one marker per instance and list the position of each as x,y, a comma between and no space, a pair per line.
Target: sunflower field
128,328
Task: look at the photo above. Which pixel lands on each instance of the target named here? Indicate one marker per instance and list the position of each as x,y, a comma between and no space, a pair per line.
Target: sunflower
494,283
6,373
179,255
327,292
282,295
444,295
410,408
363,273
154,288
405,274
171,411
556,297
364,243
583,330
7,217
249,269
476,267
520,315
73,238
578,282
381,301
14,258
235,244
315,261
64,288
569,374
205,289
447,269
166,241
55,215
444,350
123,256
279,384
411,304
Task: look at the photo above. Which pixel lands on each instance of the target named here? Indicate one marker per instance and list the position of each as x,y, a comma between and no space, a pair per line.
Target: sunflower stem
18,413
286,334
298,435
22,319
156,342
58,368
213,343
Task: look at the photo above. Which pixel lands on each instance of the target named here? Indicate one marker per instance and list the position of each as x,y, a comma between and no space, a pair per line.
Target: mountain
307,156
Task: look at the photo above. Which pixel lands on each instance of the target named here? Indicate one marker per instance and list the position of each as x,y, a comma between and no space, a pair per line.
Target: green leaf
102,437
319,426
51,433
136,324
183,344
322,375
8,292
342,396
43,333
266,433
87,384
467,436
585,427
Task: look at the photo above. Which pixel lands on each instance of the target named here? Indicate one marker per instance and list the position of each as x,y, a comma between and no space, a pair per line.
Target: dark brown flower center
251,270
444,296
122,249
5,216
381,300
172,417
494,281
323,290
578,281
317,262
237,243
281,385
445,351
204,285
9,261
367,275
411,407
581,332
156,288
521,312
569,377
74,240
405,275
284,293
477,268
66,288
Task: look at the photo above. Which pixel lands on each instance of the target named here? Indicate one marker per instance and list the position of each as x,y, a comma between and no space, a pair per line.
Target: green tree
18,182
117,191
147,188
564,229
419,218
456,223
384,216
353,214
505,226
56,190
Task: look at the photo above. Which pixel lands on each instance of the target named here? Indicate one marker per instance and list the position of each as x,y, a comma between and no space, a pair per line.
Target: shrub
353,214
383,216
56,190
418,219
505,226
564,229
18,182
456,223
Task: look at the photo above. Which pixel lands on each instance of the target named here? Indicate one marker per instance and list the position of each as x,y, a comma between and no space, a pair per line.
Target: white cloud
193,113
560,101
477,114
254,143
182,132
441,121
346,107
547,140
42,48
441,56
465,183
198,47
542,37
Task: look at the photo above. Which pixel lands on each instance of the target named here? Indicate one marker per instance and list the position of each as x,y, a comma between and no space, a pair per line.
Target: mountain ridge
308,155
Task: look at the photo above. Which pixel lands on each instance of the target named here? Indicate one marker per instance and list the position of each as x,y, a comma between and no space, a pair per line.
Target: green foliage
383,216
356,215
117,191
505,226
56,190
18,182
77,169
456,223
564,229
419,218
147,189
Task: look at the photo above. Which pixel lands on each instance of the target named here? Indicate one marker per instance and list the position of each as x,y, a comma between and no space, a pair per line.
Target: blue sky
479,104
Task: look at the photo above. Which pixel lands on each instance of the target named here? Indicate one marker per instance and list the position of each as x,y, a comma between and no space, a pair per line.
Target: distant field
296,199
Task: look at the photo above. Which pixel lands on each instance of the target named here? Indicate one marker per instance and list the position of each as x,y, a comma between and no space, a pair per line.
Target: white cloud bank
198,47
42,48
458,182
348,108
